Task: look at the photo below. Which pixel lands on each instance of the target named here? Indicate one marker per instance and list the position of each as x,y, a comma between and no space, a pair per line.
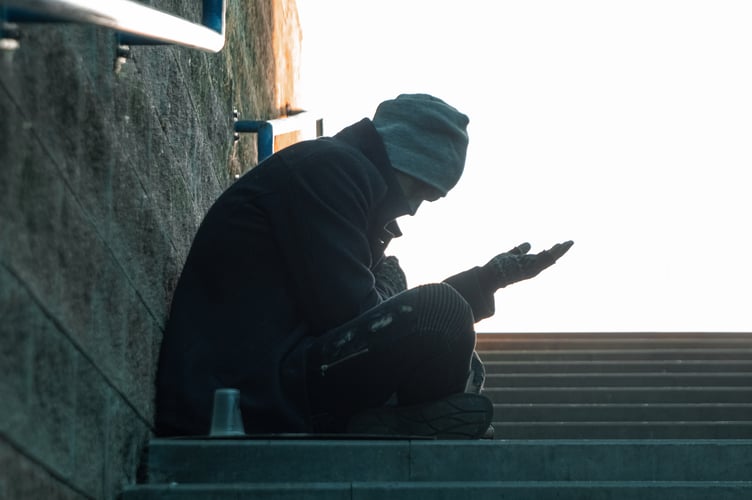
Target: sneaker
459,416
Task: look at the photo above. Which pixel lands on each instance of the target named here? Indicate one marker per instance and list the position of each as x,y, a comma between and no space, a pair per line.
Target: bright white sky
625,126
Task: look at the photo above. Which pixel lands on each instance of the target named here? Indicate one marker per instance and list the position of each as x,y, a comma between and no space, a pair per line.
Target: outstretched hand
517,264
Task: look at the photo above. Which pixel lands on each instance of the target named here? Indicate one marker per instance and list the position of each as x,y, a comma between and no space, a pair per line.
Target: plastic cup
226,417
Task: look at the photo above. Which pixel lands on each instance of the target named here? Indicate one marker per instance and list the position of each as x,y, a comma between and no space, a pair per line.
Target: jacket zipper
326,367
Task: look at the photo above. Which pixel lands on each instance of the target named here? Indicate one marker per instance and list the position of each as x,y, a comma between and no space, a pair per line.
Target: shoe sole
460,416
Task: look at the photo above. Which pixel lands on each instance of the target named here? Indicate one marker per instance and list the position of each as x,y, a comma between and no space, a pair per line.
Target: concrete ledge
554,490
277,460
451,491
241,491
191,461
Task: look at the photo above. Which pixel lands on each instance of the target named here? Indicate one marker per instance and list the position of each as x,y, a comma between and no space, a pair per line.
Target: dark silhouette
287,296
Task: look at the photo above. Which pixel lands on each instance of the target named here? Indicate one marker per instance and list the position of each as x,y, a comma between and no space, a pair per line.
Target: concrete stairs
578,416
619,385
477,470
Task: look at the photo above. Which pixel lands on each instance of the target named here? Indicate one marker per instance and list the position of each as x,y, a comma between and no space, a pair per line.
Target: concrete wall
104,177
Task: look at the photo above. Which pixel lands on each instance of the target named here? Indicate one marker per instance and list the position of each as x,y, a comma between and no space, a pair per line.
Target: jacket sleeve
474,287
324,238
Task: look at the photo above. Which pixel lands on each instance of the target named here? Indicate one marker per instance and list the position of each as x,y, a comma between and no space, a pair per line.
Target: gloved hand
517,265
390,278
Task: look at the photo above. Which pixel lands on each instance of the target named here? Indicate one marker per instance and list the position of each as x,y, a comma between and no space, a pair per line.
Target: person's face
416,191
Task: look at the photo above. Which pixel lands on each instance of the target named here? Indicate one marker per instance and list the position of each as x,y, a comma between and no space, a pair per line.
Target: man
286,294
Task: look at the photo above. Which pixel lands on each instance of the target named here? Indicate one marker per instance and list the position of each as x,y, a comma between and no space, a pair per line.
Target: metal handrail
302,121
129,17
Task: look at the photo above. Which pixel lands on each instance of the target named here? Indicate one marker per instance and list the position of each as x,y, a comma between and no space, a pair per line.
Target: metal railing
136,23
307,123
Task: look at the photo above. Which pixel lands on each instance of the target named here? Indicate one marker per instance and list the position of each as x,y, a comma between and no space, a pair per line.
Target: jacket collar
363,136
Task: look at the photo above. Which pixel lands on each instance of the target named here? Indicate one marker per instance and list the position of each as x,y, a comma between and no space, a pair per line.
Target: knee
443,310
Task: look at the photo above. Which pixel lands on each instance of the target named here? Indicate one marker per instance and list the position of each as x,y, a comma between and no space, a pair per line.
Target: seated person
287,296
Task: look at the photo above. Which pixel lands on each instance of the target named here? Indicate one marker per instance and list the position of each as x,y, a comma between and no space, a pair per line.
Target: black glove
517,265
390,278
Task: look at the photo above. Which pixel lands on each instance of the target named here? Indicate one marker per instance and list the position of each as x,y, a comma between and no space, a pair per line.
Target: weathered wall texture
104,178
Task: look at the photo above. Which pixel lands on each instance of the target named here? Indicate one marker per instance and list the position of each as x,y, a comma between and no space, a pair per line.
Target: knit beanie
424,137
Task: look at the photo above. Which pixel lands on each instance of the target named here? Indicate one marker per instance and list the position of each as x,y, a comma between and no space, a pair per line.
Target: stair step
738,354
491,338
628,430
588,412
622,366
296,460
736,490
628,395
735,379
562,341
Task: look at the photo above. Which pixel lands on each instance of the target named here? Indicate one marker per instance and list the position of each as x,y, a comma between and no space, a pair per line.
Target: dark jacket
284,255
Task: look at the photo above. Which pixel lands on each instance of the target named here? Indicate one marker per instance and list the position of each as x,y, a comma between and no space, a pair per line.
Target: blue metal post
214,15
265,136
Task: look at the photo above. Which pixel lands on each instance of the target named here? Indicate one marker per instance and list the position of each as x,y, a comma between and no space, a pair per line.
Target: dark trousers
414,348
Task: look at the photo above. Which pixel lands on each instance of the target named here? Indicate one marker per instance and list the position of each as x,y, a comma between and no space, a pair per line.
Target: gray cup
226,418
